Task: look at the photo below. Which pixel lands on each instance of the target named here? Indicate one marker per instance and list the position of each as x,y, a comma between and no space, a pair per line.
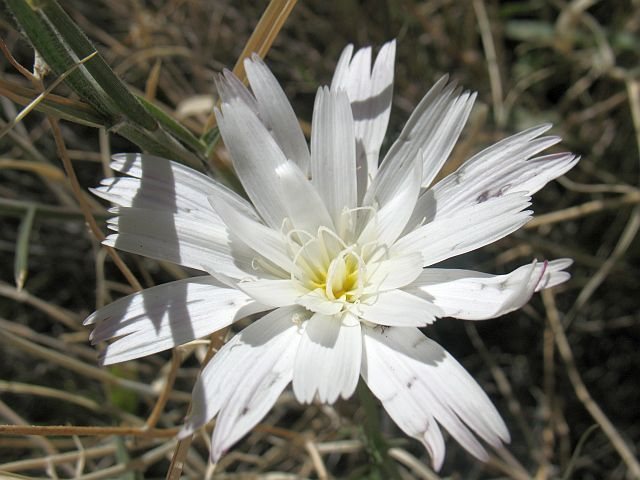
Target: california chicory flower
334,249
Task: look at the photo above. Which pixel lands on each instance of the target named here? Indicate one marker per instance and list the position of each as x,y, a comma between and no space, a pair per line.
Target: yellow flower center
325,264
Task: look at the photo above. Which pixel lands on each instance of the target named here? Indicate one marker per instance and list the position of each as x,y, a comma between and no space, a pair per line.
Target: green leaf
160,143
36,101
81,46
60,59
177,129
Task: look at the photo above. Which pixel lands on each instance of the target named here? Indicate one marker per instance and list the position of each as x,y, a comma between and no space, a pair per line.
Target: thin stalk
34,103
377,447
65,108
68,430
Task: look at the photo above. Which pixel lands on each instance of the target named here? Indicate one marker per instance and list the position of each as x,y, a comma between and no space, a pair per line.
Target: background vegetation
563,372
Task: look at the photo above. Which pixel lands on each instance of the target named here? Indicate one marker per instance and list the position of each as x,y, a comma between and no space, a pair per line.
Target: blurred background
563,372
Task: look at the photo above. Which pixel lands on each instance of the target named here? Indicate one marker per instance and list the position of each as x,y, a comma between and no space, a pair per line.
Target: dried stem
64,430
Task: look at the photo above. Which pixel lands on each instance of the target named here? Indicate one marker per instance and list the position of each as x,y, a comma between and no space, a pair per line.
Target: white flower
335,251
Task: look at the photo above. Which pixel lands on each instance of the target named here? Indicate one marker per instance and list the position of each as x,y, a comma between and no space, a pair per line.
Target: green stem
382,464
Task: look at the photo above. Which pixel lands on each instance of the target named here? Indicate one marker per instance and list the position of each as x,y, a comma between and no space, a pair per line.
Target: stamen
298,231
316,274
328,263
376,248
332,234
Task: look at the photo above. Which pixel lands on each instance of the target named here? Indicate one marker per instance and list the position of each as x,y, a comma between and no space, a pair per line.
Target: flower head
335,250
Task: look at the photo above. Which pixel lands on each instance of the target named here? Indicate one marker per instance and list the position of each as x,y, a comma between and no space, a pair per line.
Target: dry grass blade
588,208
82,368
68,108
265,33
36,101
60,430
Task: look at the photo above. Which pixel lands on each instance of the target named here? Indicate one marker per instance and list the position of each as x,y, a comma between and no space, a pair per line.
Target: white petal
159,184
254,398
472,227
415,389
555,274
434,443
478,296
328,358
256,156
333,156
401,194
411,414
394,272
230,87
359,71
449,382
316,301
304,206
276,112
503,168
168,315
341,74
428,376
370,93
398,308
433,128
275,293
241,367
181,238
269,243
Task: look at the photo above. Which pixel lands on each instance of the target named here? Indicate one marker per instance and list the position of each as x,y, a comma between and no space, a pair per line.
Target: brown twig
23,71
8,413
583,210
489,46
64,430
154,416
